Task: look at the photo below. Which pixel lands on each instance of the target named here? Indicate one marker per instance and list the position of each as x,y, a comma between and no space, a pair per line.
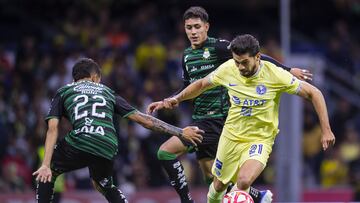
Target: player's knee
219,186
244,182
165,155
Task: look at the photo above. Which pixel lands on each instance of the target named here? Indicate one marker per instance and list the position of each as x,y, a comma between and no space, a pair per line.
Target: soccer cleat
266,196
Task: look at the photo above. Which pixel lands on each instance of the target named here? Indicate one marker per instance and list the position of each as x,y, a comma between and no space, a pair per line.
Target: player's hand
171,102
43,174
327,139
193,134
302,74
155,106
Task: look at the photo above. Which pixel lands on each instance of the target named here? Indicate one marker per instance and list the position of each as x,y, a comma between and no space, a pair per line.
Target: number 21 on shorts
255,150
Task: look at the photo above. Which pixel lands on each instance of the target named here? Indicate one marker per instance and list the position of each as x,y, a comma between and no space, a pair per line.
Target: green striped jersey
90,108
198,63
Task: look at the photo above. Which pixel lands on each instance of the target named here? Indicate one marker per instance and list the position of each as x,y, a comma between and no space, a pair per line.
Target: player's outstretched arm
191,133
43,174
313,94
154,106
190,92
302,74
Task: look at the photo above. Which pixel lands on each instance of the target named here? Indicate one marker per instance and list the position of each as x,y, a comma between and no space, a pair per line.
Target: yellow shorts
231,155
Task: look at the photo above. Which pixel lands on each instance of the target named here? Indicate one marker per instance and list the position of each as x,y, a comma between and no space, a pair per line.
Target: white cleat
266,196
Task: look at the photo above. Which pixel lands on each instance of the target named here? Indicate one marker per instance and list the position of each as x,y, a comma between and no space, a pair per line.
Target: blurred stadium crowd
139,46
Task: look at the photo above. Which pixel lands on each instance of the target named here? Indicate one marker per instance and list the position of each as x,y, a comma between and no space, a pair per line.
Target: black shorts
207,148
67,158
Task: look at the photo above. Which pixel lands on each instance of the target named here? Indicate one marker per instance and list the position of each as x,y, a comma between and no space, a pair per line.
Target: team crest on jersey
186,58
206,54
261,89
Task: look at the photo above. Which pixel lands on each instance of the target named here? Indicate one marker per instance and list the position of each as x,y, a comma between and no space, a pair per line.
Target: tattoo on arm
160,126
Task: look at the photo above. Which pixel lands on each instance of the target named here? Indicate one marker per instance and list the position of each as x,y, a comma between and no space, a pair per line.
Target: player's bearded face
247,65
196,31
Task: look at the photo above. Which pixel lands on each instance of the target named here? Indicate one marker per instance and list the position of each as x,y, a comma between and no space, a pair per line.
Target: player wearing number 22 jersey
89,107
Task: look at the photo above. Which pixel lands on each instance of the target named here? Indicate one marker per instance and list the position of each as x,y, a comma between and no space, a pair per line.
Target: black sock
176,174
44,192
255,194
229,187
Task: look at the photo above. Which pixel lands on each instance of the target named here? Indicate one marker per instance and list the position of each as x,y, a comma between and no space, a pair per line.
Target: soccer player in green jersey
90,107
210,108
254,87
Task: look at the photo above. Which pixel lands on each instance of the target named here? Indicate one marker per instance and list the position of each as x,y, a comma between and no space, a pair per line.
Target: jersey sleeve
185,75
122,107
290,84
274,61
217,77
56,108
222,50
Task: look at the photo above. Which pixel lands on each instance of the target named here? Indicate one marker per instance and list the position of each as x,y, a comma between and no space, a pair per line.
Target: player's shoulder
272,67
227,66
65,88
273,72
219,42
229,63
187,50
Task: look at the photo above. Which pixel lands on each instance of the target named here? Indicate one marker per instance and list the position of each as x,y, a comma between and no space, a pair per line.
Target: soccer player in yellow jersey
254,87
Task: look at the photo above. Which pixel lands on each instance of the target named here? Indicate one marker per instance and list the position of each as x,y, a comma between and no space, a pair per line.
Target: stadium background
139,46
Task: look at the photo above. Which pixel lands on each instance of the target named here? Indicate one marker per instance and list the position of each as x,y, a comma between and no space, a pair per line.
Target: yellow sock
214,196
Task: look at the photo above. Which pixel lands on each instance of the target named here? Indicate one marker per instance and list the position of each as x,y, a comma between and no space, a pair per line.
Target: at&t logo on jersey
261,89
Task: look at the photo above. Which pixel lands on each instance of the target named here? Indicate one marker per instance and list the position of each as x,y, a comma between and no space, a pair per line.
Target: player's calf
44,192
111,193
176,173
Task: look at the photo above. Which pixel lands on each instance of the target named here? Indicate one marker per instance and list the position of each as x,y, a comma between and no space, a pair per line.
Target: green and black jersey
197,64
90,108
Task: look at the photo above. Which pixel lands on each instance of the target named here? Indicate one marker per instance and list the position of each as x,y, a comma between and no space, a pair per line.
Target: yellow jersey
254,111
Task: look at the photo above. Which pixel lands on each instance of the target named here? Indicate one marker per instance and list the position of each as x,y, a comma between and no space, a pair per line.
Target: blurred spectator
312,148
150,56
339,119
333,170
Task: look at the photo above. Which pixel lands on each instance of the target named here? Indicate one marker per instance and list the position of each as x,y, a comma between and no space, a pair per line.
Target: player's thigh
174,145
205,166
213,128
249,171
254,160
66,158
226,163
101,170
259,151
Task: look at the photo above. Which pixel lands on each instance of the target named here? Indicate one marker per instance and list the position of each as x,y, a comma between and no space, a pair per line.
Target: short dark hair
84,68
196,12
243,44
